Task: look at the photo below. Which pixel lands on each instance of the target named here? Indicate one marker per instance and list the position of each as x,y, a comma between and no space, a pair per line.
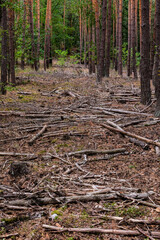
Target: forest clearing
80,119
62,167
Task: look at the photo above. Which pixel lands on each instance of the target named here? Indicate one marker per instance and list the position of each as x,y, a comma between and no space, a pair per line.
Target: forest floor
44,181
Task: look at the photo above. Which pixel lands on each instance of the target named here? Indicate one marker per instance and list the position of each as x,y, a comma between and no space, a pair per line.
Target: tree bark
157,60
11,44
4,49
133,38
145,55
129,40
108,38
100,71
23,35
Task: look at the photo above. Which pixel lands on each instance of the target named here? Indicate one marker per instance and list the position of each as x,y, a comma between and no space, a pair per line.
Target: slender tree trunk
64,22
140,30
129,40
100,72
133,40
96,9
38,29
90,45
153,47
145,55
33,51
117,34
80,33
4,49
120,39
136,24
108,38
93,47
157,60
24,35
85,42
47,44
11,44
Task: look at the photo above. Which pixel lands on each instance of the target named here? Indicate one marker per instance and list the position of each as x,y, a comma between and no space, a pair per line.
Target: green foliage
62,56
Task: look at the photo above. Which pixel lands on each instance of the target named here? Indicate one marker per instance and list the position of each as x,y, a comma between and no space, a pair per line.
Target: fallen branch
38,134
99,230
9,235
152,142
90,152
13,154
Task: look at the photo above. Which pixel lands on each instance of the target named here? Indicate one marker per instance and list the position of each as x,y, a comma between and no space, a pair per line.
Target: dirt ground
65,109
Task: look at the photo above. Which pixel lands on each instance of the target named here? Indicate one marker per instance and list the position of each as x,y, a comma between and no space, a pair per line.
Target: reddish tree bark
145,55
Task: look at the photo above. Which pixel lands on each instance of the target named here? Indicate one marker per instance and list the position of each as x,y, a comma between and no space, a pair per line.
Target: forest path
44,121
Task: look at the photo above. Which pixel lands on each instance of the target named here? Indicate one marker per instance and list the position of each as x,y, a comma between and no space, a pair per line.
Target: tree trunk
93,47
153,47
100,71
11,44
133,38
80,33
33,52
24,35
4,49
85,42
47,44
38,29
129,40
108,38
89,46
157,58
145,55
117,34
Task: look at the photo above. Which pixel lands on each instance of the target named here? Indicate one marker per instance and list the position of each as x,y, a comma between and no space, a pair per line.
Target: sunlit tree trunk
117,34
108,38
133,38
145,55
3,49
120,39
38,29
129,39
11,44
93,47
85,42
89,46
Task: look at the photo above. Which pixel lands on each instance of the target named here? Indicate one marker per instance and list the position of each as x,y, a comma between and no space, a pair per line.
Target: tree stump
18,169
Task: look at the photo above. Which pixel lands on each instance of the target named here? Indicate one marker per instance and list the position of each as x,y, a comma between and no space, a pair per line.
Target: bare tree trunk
4,49
133,40
85,42
120,39
100,71
38,29
93,47
89,46
129,39
145,55
11,44
24,35
117,34
157,59
80,32
108,38
153,47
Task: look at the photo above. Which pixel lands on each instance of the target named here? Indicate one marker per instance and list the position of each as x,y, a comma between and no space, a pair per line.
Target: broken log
152,142
38,134
91,152
99,230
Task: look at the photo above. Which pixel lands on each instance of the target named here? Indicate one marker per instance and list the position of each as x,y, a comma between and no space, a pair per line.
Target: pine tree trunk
153,47
33,52
129,40
133,39
117,34
24,36
89,46
38,29
108,38
47,43
120,39
145,55
11,44
96,9
80,33
4,49
85,42
140,30
157,59
100,70
93,47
